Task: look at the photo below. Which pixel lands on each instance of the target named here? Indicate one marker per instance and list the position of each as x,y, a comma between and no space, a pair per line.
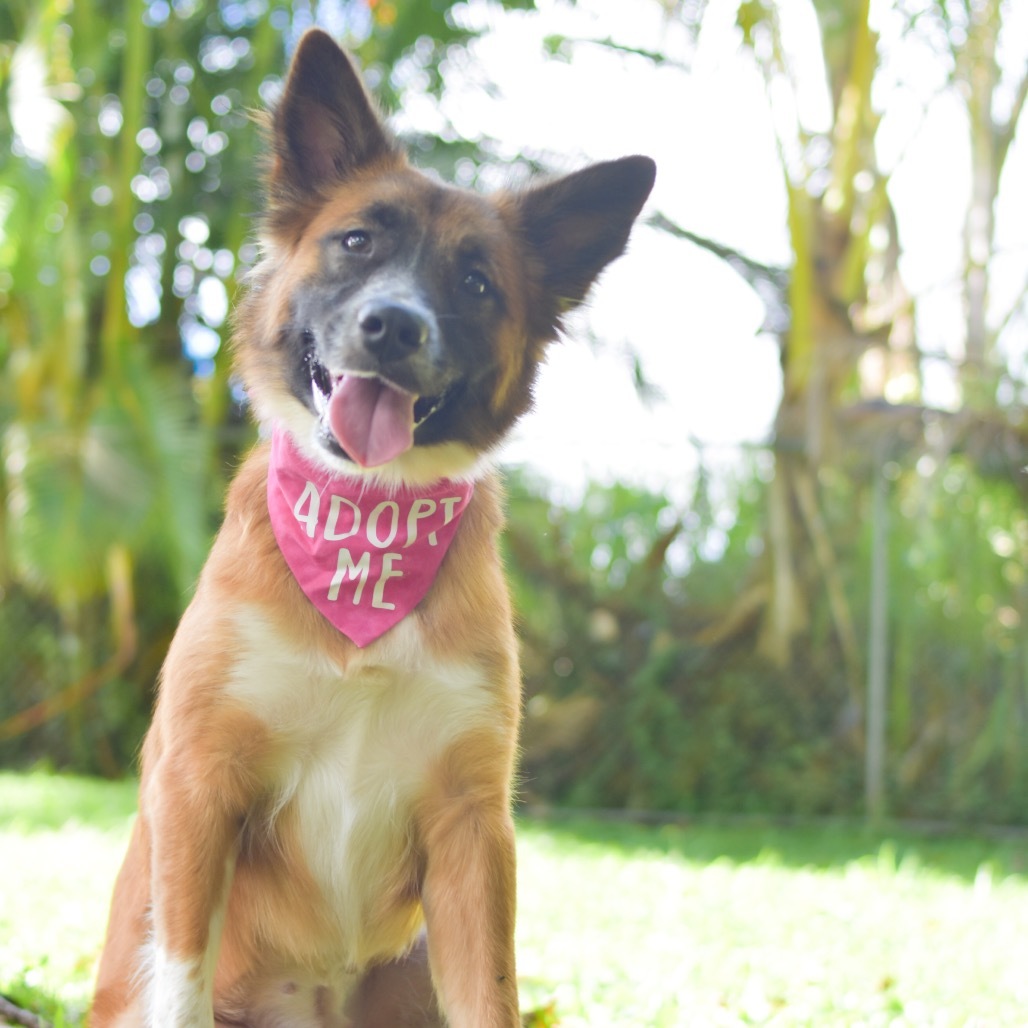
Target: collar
365,554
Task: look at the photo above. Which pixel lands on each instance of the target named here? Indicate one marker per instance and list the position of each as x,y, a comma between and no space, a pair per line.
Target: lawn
622,925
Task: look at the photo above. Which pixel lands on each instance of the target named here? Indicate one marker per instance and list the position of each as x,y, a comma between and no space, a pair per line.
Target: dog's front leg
196,789
469,887
193,837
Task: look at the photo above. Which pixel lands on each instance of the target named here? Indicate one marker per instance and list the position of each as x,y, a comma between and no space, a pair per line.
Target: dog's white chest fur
354,749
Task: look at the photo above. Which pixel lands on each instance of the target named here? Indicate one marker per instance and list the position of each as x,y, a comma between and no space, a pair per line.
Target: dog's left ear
576,225
325,126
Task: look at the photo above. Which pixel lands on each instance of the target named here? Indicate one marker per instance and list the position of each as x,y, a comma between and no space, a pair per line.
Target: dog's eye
476,284
357,241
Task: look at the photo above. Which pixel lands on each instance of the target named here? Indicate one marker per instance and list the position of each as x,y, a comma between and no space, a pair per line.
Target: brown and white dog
324,834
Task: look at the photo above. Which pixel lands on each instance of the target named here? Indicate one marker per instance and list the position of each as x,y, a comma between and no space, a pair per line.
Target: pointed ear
325,126
578,224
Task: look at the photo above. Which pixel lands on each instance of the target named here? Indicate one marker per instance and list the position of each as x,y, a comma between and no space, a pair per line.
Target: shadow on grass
823,846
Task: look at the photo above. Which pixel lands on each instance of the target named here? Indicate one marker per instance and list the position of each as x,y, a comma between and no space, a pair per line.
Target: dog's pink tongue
371,421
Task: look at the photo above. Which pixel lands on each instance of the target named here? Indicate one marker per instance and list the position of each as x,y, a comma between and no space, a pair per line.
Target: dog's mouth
364,417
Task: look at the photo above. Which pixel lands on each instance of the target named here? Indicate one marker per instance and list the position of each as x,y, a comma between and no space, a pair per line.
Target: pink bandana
364,554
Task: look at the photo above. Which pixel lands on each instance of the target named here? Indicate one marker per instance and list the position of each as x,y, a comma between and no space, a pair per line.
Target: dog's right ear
325,126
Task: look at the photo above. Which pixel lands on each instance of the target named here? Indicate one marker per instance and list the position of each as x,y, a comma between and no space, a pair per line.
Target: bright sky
692,320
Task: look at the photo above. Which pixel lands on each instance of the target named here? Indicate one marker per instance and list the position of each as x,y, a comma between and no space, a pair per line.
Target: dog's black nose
392,329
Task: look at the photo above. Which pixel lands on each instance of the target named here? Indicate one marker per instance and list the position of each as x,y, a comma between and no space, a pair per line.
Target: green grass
61,842
621,925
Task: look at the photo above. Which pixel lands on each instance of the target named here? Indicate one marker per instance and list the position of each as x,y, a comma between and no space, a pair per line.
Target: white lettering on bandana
364,554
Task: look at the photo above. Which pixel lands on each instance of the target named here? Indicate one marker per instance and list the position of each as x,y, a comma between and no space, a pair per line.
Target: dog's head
396,323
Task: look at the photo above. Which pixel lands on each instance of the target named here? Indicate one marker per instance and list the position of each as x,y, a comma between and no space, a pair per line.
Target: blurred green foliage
128,174
641,695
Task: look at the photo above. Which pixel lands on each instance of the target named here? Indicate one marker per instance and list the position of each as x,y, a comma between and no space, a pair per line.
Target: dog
325,835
